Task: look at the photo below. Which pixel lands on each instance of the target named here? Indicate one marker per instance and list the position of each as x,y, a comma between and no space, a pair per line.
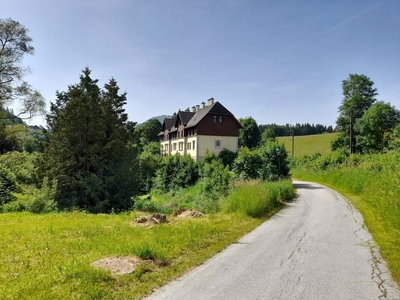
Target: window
217,144
166,147
194,145
189,146
220,119
181,146
215,119
174,146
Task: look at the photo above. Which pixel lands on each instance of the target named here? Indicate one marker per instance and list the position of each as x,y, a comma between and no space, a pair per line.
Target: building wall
193,150
178,146
210,142
228,127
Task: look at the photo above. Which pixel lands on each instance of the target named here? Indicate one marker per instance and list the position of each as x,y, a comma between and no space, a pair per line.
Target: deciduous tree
15,43
376,126
249,134
358,95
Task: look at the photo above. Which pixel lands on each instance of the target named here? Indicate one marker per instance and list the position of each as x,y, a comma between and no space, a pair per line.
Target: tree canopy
376,126
358,96
15,43
249,134
88,151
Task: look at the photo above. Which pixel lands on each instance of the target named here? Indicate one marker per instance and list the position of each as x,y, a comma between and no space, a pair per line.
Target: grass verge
49,256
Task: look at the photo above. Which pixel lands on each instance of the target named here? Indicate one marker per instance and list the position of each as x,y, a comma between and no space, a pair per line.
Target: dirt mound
153,219
118,265
190,214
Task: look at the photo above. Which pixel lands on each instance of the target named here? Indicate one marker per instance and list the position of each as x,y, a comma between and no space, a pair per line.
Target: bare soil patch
118,265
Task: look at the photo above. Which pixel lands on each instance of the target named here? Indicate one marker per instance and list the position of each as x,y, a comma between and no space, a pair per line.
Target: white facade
197,146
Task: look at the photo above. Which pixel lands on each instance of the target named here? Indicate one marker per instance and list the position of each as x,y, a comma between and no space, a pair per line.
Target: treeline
298,129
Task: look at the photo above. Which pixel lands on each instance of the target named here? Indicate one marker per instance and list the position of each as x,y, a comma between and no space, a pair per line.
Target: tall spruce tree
88,151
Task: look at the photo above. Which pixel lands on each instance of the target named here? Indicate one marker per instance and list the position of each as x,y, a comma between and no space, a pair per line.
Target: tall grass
372,184
257,198
49,256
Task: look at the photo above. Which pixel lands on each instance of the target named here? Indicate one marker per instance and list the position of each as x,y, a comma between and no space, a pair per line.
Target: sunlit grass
308,144
49,256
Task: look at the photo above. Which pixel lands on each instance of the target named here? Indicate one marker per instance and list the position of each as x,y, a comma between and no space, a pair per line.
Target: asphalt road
316,247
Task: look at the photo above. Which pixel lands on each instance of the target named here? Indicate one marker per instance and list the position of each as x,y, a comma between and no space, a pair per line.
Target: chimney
193,108
197,107
203,105
210,101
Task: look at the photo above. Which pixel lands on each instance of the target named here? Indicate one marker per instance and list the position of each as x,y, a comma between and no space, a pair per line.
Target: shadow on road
307,186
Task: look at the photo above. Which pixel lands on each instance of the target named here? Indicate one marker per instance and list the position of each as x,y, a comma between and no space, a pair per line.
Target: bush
149,164
7,185
275,162
23,165
247,164
227,158
176,172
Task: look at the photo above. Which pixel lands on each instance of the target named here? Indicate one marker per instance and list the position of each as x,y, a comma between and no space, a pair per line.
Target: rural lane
316,247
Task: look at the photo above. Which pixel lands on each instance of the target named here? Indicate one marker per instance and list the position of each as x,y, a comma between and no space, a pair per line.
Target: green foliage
275,163
149,163
23,165
146,204
249,134
358,96
15,44
256,199
214,179
176,172
267,136
270,162
376,126
247,164
88,151
7,185
148,132
394,140
227,157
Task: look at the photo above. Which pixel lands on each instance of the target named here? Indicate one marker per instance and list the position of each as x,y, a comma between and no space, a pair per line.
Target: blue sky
277,61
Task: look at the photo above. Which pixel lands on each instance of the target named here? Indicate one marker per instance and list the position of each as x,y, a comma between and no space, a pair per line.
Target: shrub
7,185
227,158
148,164
275,162
176,172
246,165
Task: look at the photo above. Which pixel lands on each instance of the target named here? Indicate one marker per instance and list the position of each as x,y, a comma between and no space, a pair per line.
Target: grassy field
49,256
308,144
372,184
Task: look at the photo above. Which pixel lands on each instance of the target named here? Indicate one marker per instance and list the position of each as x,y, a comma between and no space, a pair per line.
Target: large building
206,127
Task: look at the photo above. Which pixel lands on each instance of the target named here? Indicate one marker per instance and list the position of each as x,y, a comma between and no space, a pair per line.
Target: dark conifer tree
88,149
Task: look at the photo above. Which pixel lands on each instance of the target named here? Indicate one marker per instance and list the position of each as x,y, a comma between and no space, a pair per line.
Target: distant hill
159,118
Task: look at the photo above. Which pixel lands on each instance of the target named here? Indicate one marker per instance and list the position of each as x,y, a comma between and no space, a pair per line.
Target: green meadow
49,256
308,144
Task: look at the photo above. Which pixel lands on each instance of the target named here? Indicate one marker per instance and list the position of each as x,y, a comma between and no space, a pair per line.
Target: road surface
316,247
